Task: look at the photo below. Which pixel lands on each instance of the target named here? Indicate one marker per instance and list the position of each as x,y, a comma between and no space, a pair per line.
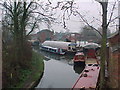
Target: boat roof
79,53
88,79
58,44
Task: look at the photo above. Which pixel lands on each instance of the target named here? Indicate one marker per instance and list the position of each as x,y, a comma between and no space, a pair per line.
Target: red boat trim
79,60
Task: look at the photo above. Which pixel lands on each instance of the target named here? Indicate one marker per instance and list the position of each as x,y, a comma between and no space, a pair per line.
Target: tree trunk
0,57
104,47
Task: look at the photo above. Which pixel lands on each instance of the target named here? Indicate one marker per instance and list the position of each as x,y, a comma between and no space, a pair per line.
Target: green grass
30,75
38,65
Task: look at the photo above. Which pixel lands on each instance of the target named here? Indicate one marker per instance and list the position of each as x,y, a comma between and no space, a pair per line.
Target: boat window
54,50
69,47
50,49
45,48
95,65
89,64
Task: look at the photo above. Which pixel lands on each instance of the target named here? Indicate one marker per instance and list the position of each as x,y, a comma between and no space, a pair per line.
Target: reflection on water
78,69
49,55
58,73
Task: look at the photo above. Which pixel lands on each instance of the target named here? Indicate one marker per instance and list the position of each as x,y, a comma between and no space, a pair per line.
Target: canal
58,71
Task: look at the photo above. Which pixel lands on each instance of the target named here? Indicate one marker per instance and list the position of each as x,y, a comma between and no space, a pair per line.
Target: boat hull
70,53
79,63
52,50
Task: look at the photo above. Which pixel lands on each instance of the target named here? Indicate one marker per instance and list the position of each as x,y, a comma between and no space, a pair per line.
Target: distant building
73,37
59,36
114,61
45,35
33,37
67,37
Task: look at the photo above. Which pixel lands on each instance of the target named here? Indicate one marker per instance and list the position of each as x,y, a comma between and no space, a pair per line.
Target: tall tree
18,14
104,42
19,20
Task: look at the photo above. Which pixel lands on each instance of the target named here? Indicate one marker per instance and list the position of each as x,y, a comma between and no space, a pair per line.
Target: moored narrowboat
79,58
88,79
53,50
67,47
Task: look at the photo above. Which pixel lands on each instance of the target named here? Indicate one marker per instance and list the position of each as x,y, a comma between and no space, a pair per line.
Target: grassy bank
31,76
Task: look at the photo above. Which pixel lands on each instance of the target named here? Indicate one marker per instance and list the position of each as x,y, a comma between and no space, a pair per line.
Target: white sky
89,8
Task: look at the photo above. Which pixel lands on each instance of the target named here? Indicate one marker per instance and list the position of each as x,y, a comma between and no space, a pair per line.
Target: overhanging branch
88,23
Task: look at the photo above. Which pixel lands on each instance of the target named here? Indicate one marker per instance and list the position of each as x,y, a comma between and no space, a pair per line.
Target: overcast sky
91,11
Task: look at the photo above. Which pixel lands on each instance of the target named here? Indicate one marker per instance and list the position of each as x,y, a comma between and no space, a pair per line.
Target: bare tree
104,42
20,19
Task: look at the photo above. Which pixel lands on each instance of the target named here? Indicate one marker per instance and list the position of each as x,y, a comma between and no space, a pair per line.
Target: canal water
59,72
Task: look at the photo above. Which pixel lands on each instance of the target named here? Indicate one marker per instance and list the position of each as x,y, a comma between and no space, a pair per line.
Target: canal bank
35,73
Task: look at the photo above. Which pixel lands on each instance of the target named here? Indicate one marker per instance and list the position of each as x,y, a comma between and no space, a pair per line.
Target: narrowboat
68,47
89,78
79,58
53,50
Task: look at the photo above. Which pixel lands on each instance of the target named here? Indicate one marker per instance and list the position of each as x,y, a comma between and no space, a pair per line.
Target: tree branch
44,15
111,14
32,28
88,23
7,7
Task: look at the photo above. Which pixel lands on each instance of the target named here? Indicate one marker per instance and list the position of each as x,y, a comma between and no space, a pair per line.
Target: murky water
59,73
